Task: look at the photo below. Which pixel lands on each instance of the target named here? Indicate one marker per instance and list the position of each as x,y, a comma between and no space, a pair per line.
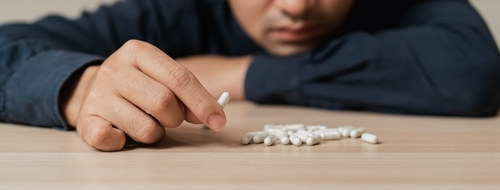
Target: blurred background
31,10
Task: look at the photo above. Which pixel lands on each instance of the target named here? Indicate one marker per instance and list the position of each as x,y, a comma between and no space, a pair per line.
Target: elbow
477,94
474,107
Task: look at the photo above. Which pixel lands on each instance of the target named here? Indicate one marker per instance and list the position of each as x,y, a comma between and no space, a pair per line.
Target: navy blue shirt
412,57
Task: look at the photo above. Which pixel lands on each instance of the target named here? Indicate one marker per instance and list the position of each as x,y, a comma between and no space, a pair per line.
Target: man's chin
288,50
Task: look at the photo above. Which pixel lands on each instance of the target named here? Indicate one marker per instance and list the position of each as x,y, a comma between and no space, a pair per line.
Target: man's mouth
297,33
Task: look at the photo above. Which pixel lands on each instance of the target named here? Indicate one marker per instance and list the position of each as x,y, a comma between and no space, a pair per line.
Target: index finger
159,66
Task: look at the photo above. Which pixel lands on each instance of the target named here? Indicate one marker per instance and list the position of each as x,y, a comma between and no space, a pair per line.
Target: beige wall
490,10
30,10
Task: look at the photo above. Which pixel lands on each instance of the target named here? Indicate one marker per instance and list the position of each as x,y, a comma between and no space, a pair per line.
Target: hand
219,74
137,91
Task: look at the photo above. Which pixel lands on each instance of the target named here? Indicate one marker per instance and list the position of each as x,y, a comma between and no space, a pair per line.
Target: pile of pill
297,134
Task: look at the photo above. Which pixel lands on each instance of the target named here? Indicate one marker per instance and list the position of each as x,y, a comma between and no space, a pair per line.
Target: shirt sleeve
37,59
439,58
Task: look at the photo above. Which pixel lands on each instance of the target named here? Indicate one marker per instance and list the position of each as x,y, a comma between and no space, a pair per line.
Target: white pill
369,138
302,136
294,126
269,125
345,127
329,135
327,129
295,140
331,129
224,99
246,139
316,127
273,126
284,139
290,132
282,136
356,133
269,140
273,130
259,136
313,140
345,132
304,132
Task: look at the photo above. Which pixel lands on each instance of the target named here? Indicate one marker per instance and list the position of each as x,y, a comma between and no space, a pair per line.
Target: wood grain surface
416,152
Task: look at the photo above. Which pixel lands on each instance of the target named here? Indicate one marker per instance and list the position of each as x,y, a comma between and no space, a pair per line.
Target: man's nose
294,8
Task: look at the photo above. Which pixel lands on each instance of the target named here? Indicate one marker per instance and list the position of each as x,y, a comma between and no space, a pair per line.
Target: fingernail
216,122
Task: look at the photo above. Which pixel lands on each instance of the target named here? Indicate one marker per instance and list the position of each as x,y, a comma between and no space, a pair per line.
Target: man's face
286,27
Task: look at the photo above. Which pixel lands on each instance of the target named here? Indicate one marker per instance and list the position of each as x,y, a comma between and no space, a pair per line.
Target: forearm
219,74
31,85
445,65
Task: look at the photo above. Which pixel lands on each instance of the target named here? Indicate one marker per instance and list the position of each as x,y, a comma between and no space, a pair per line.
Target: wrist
74,93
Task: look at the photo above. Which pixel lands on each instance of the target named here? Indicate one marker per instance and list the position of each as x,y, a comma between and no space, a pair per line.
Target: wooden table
416,152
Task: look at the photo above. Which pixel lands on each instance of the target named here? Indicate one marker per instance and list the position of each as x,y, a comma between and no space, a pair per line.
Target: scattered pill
246,139
302,136
298,133
284,139
294,127
282,136
313,140
356,133
315,127
369,138
269,140
345,127
329,135
295,140
345,132
258,137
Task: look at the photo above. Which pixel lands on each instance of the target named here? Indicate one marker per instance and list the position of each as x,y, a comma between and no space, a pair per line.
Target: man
138,66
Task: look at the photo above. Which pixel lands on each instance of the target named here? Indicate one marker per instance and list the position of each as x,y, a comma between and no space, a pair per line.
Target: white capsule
294,126
329,135
259,136
369,138
273,126
356,133
224,99
283,137
345,132
295,140
329,129
313,140
246,139
269,125
290,132
304,132
316,127
273,130
269,140
302,136
345,127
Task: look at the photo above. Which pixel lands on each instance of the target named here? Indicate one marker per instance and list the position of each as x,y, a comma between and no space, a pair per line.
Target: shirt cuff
32,93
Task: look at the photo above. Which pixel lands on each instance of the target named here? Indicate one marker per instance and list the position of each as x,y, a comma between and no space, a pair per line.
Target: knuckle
147,133
108,69
161,101
132,44
132,47
180,78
